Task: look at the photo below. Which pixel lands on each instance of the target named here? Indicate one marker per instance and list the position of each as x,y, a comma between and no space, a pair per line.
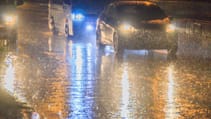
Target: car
136,25
9,18
84,15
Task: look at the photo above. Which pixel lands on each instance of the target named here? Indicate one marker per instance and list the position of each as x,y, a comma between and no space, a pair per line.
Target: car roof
133,2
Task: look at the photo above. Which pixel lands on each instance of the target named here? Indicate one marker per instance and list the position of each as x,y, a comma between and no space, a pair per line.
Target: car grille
149,34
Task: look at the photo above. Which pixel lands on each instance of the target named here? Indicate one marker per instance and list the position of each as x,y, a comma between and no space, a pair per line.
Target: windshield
140,11
3,2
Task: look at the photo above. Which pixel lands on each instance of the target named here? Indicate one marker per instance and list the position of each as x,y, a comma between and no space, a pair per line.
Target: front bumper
150,39
6,30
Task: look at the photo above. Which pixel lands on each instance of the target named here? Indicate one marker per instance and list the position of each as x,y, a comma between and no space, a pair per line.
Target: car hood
148,24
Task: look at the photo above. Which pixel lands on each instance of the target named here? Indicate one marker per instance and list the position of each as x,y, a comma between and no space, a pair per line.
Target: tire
12,41
13,36
118,49
67,31
172,52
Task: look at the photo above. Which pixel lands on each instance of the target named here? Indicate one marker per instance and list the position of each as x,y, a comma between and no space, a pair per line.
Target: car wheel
172,52
98,40
66,30
117,44
13,36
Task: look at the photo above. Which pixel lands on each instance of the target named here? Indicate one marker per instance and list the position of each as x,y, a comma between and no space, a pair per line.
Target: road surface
61,78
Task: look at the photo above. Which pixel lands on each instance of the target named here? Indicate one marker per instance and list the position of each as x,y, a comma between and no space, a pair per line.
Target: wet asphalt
60,78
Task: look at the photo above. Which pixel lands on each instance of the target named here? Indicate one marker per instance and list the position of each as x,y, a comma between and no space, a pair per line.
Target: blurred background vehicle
9,18
136,25
85,13
74,17
60,21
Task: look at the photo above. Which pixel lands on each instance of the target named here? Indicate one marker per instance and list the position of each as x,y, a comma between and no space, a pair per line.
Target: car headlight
170,28
125,27
10,19
89,27
78,16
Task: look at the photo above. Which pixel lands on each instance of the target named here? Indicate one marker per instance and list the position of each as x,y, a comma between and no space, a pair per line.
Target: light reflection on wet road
157,87
71,79
82,78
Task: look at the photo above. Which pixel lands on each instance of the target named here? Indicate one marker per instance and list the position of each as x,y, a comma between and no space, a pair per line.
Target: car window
142,12
108,14
110,11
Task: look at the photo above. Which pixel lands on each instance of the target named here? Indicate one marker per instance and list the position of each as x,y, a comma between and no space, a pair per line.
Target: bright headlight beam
171,28
10,19
89,27
126,27
77,16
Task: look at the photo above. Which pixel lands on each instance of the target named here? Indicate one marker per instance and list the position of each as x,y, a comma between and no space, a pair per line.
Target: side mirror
19,2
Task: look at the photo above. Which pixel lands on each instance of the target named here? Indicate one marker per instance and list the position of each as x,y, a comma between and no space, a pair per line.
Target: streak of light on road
9,75
125,94
170,107
82,88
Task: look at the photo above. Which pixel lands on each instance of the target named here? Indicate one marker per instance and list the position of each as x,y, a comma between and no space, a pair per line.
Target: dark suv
136,25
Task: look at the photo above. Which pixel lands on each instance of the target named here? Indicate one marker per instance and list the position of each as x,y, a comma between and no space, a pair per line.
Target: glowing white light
77,16
10,19
171,28
89,27
125,27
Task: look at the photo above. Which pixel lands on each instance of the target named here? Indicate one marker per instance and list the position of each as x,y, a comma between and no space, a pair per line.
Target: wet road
71,79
